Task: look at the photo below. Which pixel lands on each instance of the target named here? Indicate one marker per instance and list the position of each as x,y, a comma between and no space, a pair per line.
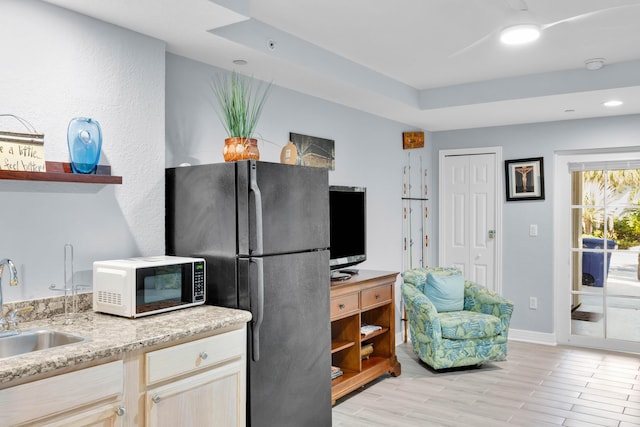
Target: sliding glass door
604,252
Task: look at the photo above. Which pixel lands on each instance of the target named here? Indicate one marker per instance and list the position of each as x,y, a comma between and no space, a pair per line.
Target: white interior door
469,216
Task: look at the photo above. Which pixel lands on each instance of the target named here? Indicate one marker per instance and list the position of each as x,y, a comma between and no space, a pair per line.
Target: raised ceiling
433,64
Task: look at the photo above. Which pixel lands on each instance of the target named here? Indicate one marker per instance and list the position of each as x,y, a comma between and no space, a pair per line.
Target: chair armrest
421,310
480,299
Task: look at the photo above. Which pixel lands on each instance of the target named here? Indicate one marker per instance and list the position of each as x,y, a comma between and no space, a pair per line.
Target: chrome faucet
13,281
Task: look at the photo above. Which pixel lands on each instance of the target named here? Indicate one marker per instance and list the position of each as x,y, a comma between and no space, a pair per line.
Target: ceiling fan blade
474,44
587,15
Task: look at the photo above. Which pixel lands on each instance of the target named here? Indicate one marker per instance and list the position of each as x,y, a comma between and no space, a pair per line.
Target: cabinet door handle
377,296
156,398
120,411
204,355
341,306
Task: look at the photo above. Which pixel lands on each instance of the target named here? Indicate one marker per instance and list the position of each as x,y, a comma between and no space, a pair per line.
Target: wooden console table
365,298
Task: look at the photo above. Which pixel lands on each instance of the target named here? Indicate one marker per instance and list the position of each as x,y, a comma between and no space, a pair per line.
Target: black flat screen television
348,227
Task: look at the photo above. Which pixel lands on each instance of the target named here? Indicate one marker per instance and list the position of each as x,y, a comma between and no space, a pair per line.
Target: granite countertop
111,336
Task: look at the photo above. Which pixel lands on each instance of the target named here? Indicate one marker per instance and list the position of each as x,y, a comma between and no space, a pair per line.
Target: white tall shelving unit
415,213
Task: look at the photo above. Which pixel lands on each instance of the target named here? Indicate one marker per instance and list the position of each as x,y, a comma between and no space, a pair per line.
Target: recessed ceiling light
569,110
612,103
240,62
520,34
594,64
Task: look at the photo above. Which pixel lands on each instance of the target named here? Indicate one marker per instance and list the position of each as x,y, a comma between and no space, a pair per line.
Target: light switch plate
533,230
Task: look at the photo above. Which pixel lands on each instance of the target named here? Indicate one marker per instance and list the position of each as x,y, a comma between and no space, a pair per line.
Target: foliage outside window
611,206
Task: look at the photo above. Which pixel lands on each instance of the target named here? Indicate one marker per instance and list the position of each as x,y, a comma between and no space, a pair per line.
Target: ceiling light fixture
612,103
240,62
520,34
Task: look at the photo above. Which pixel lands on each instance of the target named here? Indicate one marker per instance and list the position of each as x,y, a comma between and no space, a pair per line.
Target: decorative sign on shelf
412,140
22,151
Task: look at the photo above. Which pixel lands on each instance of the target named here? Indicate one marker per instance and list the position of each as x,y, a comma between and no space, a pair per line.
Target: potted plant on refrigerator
241,100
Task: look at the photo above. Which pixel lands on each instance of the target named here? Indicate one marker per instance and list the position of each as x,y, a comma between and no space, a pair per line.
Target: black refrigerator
263,229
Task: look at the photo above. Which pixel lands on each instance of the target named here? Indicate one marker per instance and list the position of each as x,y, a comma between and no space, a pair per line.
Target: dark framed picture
313,151
524,179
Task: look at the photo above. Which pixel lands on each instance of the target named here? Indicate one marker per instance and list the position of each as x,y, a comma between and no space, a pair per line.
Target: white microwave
136,287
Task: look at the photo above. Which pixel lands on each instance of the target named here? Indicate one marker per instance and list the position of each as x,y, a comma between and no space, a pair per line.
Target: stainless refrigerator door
201,209
201,221
290,383
290,204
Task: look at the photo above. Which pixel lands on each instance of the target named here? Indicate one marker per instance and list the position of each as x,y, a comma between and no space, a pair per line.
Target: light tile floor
537,386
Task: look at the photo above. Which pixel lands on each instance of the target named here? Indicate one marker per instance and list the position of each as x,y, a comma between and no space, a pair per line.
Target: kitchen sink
31,340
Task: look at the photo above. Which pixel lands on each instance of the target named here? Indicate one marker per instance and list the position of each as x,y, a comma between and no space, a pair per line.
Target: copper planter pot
237,148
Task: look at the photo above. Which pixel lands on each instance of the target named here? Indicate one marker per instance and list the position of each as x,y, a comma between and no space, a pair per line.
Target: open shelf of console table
365,298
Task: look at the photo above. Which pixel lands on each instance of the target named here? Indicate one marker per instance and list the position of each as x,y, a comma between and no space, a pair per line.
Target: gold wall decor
412,140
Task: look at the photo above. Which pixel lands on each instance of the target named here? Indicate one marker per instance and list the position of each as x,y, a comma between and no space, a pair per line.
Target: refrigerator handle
259,311
253,186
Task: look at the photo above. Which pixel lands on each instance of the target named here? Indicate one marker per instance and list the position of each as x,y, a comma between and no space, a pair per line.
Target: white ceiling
433,64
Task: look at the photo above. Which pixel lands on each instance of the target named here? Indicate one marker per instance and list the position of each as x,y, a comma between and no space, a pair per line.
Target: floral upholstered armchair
454,322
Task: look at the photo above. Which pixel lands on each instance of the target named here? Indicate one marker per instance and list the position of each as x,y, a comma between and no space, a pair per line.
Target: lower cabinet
196,383
212,398
199,383
100,416
88,397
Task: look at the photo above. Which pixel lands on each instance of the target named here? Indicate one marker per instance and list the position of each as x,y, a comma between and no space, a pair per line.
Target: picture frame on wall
313,151
524,179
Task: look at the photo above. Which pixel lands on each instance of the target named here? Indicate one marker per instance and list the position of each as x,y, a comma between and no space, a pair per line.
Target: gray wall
56,65
528,261
368,148
79,66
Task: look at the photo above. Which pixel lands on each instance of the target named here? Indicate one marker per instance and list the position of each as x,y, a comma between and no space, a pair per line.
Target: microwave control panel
198,281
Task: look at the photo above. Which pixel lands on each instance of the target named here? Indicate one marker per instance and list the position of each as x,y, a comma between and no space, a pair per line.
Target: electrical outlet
533,303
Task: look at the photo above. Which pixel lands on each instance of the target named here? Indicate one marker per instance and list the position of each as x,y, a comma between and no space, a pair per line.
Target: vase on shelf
237,148
84,137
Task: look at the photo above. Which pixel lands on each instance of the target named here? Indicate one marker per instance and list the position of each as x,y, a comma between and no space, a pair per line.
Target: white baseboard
532,336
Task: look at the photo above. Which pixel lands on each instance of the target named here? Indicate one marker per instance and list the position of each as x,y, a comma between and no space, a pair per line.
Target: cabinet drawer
61,393
375,296
343,305
184,358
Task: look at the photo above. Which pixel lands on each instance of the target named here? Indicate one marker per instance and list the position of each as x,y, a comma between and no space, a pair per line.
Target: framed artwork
524,179
313,151
412,140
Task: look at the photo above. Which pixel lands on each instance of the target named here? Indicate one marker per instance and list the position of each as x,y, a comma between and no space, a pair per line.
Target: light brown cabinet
201,382
88,397
366,298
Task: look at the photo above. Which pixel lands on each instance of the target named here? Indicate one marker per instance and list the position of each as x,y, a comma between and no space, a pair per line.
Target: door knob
492,234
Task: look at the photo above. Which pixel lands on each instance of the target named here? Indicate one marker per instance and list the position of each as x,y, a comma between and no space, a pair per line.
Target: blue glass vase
84,137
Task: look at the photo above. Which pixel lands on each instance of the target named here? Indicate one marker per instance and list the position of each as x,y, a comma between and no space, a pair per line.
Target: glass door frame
564,241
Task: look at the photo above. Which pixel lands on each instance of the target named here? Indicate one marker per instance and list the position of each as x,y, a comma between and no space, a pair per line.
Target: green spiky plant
241,102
